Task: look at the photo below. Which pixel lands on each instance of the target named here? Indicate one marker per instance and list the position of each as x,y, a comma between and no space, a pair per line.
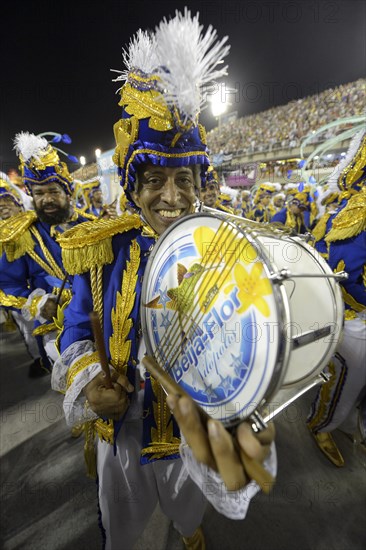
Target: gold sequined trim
34,305
351,220
8,300
350,301
119,346
80,365
349,315
44,329
163,442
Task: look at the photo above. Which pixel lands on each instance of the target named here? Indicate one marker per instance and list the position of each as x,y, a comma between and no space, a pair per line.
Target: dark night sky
57,56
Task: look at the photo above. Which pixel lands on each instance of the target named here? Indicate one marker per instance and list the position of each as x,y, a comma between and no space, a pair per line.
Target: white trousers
335,405
26,328
129,492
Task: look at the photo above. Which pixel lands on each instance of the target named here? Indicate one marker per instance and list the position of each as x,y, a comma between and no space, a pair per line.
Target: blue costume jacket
109,266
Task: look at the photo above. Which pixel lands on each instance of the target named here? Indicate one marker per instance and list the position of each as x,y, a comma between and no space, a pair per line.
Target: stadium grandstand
270,141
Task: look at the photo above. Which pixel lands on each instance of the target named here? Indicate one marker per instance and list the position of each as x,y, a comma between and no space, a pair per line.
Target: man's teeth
170,213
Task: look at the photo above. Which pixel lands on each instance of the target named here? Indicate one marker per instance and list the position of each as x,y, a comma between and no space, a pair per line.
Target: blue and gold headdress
7,189
163,94
86,189
40,162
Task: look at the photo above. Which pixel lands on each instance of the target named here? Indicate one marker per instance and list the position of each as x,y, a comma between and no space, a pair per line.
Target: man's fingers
226,457
256,446
187,416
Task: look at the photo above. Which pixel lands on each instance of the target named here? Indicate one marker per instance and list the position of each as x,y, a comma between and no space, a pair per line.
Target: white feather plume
29,145
188,60
4,177
140,54
226,190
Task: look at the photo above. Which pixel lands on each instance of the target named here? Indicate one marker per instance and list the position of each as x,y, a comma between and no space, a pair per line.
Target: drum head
210,316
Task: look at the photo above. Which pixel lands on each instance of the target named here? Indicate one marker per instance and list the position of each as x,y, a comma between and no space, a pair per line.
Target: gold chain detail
57,271
97,291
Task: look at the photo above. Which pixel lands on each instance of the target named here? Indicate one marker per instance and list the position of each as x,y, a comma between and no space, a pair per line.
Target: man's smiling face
165,194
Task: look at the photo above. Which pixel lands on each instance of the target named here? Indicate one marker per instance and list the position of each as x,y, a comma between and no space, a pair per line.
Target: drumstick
99,344
61,289
253,468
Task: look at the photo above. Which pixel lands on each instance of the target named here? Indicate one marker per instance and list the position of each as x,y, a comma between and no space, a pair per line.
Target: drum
236,311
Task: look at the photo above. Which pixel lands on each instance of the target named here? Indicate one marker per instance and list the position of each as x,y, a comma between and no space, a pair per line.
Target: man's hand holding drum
217,447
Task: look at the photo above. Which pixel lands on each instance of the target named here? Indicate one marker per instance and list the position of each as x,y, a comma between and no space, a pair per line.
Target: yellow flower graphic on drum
251,288
219,252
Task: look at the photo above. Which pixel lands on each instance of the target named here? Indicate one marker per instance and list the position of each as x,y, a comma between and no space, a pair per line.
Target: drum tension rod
285,273
311,336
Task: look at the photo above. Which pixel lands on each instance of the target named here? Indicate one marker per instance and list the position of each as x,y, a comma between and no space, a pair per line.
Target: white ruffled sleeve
72,371
232,504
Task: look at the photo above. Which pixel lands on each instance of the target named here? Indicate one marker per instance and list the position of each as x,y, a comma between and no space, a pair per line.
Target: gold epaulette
15,237
351,220
90,243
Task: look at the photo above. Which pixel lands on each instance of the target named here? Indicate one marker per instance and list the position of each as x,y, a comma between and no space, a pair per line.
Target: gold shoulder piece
351,220
90,243
320,228
15,238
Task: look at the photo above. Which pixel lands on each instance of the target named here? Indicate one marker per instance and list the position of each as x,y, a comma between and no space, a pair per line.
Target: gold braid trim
44,329
364,275
54,268
119,346
320,228
96,283
163,441
351,220
90,243
15,238
80,365
8,300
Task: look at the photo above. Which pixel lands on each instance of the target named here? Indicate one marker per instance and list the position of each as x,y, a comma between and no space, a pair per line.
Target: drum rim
280,300
338,311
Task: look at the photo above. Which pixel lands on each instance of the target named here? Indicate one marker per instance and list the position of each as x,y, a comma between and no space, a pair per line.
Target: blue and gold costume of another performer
31,258
345,240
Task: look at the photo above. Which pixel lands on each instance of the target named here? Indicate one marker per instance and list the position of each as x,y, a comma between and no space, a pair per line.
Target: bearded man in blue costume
31,270
162,158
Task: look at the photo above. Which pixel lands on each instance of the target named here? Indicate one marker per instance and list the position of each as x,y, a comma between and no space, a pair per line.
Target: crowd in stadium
285,126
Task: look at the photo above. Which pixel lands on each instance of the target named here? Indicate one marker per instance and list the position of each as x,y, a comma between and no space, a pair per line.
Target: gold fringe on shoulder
15,238
90,243
351,220
320,228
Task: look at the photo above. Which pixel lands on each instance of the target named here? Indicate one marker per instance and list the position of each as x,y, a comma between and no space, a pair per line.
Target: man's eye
154,181
184,181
